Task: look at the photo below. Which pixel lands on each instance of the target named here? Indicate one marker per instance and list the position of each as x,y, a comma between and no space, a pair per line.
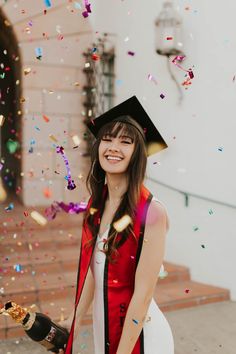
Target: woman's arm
84,302
146,276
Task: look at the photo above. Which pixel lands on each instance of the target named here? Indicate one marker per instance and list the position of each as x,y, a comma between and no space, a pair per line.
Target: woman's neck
117,186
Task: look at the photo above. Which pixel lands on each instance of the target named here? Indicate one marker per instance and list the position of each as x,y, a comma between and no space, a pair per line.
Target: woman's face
115,153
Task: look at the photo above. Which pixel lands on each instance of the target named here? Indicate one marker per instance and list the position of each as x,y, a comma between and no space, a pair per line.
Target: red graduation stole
118,278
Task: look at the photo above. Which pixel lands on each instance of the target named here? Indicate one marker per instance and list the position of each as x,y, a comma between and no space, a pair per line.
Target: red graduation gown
118,278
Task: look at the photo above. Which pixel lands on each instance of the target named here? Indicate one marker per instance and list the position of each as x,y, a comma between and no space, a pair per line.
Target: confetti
178,59
195,228
76,140
122,223
47,193
135,321
71,184
47,3
210,211
95,57
203,246
41,220
46,119
220,148
27,71
10,207
12,146
92,211
52,137
88,9
71,208
187,291
169,38
152,78
39,53
131,53
2,120
162,95
17,268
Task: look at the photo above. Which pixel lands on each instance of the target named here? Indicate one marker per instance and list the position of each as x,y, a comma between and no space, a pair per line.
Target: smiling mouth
113,159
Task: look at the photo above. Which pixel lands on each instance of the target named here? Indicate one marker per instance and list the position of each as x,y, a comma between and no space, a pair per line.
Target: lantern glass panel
168,36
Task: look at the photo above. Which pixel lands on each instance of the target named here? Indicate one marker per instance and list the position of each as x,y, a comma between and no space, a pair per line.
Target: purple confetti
71,208
131,53
71,184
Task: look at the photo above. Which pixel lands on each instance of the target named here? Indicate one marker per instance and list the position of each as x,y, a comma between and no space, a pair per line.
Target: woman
123,239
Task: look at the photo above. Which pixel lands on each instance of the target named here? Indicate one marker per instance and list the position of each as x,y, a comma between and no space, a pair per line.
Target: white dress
158,337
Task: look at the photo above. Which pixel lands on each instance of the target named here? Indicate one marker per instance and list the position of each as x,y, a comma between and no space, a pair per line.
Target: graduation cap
133,108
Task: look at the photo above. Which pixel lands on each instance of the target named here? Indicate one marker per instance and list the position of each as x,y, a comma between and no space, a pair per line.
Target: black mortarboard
132,107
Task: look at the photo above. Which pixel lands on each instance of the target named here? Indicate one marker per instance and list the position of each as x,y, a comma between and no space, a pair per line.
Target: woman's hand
66,324
61,351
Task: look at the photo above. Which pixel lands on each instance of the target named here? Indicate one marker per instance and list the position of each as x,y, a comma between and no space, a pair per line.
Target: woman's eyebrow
126,136
122,136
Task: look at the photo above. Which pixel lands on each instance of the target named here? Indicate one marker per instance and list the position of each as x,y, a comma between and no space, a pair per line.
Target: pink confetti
180,58
152,78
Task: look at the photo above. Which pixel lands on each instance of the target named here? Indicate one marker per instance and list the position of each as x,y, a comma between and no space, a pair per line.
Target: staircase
48,258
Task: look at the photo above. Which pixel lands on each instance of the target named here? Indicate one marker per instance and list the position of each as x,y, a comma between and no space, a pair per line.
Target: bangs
114,128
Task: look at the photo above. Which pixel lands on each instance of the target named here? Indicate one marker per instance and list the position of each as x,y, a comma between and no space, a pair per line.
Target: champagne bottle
38,327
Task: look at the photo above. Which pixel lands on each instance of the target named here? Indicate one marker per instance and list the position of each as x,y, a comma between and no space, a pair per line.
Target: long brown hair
96,179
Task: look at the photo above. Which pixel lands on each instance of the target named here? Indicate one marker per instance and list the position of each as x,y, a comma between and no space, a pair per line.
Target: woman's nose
114,145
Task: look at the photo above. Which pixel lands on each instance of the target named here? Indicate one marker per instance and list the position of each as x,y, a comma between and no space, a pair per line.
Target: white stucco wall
203,122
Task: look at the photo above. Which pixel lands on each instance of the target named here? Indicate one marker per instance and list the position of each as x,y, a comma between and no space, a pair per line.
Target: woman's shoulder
155,202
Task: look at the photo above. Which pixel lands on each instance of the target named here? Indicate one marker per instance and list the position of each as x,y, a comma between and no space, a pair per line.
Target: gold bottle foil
17,312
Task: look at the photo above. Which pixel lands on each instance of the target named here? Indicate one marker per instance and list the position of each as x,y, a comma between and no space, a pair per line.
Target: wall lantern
168,36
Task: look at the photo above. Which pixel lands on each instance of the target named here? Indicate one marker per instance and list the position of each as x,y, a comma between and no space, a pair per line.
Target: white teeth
113,158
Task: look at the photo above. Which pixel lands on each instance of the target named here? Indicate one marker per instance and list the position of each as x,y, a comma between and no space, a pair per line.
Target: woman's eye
126,142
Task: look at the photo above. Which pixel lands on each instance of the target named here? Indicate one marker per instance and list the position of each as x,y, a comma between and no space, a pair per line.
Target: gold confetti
53,138
92,211
76,84
2,120
22,99
76,140
121,224
7,23
27,71
40,219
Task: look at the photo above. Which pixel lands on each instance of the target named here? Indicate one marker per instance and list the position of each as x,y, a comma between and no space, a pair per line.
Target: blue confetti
47,3
77,5
17,267
39,52
9,207
135,321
